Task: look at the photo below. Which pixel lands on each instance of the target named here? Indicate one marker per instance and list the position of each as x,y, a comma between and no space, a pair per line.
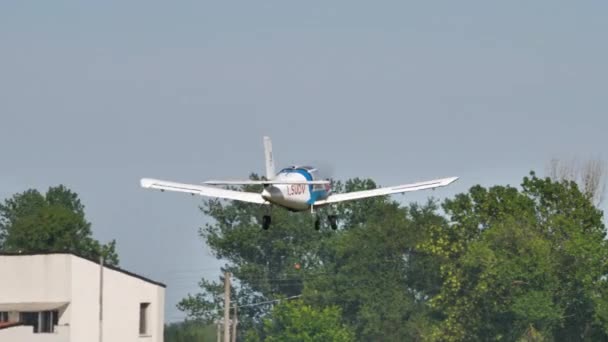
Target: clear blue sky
96,95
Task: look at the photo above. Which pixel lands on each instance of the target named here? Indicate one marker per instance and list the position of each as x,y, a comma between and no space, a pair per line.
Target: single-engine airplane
295,188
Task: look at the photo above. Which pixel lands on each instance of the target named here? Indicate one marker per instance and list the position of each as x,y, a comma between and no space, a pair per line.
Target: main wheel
333,221
266,220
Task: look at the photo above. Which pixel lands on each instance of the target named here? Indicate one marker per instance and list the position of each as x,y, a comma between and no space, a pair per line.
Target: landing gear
266,220
333,221
315,218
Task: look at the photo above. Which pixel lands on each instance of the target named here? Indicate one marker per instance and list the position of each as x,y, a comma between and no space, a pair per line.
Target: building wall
122,295
33,279
25,334
67,278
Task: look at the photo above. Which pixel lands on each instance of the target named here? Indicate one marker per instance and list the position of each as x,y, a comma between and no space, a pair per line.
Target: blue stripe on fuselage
314,195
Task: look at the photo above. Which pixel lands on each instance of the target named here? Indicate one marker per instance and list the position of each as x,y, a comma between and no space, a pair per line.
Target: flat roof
114,268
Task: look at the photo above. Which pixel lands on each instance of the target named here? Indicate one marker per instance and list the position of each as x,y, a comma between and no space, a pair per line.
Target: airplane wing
202,190
264,182
335,198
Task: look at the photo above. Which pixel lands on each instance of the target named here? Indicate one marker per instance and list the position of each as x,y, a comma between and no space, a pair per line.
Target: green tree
262,262
190,331
514,262
53,222
498,264
368,266
378,278
294,321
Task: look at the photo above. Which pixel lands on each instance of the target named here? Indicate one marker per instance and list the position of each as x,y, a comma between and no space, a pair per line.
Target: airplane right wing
202,190
335,198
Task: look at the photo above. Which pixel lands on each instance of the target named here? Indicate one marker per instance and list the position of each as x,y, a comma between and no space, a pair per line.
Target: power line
262,303
267,302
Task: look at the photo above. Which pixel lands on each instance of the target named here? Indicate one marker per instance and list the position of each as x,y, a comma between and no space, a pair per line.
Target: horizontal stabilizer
202,190
264,182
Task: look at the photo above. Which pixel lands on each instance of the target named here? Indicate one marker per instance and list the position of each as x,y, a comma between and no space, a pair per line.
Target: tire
333,221
266,221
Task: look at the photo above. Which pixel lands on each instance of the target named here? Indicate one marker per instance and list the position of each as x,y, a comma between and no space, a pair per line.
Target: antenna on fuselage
270,173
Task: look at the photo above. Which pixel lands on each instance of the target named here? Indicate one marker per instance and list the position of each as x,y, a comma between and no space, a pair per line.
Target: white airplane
295,188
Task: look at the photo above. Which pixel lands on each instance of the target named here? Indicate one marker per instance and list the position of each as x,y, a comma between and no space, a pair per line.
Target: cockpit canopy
311,170
296,167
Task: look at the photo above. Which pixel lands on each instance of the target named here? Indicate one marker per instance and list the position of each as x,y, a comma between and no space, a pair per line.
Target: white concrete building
56,298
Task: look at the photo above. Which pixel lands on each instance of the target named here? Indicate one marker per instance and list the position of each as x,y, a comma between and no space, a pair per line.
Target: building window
48,320
29,318
143,318
43,322
3,316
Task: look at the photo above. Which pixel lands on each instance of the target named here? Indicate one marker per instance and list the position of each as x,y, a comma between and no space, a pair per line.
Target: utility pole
227,307
234,322
101,298
219,331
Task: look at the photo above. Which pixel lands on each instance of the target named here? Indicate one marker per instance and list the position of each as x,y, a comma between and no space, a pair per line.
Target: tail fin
270,173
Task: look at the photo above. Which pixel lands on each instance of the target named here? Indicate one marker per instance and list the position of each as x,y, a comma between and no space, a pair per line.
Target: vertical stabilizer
270,173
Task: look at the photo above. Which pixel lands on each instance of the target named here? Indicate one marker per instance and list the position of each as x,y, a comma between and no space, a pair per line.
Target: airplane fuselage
296,197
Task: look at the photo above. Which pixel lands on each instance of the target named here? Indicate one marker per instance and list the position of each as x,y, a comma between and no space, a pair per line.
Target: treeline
527,263
54,221
189,332
504,263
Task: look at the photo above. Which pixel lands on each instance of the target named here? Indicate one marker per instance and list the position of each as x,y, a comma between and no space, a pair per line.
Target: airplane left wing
335,198
208,191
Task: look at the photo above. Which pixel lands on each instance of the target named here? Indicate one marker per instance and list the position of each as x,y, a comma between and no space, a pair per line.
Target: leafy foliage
297,322
375,274
510,260
498,263
190,331
53,222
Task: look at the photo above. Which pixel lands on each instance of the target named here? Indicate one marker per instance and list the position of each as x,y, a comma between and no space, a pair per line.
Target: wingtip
452,180
146,182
